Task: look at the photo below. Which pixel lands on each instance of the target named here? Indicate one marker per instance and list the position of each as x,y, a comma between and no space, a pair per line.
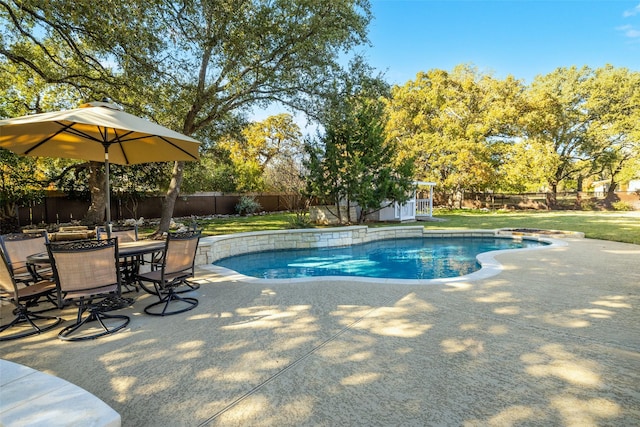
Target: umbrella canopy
82,134
97,131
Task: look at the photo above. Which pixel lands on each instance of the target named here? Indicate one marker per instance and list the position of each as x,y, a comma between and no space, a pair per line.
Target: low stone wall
459,233
214,248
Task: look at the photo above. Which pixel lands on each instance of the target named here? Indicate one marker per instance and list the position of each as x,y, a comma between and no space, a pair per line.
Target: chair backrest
123,235
18,246
126,235
7,284
85,267
180,252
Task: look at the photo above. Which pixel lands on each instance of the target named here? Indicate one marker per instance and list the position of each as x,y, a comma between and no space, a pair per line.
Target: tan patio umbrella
97,131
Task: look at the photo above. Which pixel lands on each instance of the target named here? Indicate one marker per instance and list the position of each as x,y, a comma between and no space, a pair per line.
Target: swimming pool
408,258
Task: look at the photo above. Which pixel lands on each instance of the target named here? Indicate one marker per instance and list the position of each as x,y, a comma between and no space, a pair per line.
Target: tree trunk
611,192
8,210
349,219
552,196
336,203
169,201
97,210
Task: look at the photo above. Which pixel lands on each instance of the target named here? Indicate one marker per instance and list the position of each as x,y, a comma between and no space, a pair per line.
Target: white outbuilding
419,206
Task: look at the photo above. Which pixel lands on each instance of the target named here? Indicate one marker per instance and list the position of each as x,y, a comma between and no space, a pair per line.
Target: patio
552,340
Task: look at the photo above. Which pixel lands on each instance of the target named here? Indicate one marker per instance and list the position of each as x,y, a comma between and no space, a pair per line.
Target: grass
616,226
241,224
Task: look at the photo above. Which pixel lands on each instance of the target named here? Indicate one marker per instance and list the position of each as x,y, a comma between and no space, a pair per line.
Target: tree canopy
455,124
191,65
353,161
199,67
260,149
473,132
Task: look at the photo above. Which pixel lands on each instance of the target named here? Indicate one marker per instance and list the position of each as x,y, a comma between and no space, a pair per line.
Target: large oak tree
586,121
456,125
191,64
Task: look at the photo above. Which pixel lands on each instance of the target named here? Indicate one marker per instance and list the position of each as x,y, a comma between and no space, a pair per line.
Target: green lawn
618,226
241,224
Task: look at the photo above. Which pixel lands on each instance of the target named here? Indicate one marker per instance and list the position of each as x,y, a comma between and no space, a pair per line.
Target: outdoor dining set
76,266
92,269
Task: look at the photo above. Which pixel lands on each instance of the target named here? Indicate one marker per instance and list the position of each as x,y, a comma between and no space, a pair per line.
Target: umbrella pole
107,188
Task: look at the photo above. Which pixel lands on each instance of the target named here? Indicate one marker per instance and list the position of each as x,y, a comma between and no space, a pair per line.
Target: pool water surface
411,258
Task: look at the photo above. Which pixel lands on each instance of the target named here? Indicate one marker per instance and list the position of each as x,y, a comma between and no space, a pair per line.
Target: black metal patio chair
25,322
129,266
17,247
174,269
87,273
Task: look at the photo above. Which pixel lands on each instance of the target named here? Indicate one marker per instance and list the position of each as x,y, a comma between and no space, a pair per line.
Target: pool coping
339,236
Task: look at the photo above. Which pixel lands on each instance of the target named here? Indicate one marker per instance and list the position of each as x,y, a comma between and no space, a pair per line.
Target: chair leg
128,287
129,269
25,316
148,289
166,298
95,315
191,286
35,302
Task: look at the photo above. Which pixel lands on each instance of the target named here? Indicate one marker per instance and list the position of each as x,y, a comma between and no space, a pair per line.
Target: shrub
621,206
247,206
299,221
588,205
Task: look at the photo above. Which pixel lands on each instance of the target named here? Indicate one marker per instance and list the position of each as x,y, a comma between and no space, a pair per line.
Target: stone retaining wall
213,248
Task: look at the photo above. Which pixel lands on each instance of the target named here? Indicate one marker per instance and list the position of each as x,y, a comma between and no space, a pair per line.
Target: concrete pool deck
554,339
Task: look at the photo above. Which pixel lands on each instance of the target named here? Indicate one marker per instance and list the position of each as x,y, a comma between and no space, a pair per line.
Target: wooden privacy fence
535,201
62,209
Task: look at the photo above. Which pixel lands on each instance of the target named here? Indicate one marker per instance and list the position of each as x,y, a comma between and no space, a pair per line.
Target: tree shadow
547,341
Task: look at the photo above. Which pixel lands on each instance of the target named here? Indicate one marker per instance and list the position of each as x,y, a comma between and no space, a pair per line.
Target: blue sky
518,37
523,38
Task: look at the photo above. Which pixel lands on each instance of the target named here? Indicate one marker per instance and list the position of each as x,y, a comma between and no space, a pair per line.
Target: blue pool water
414,258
